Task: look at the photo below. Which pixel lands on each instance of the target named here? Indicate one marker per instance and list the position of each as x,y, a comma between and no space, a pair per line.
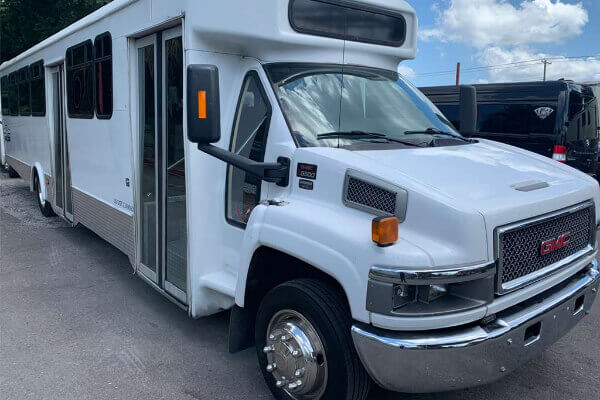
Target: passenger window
24,92
4,93
104,78
248,139
80,80
38,89
13,94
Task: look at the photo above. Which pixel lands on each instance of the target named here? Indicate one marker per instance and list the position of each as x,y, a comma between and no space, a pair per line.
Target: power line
517,64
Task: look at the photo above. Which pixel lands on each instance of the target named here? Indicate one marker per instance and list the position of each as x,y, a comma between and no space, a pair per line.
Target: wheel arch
39,170
268,268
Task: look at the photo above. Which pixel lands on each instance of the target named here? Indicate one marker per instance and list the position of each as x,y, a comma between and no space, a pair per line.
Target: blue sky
485,34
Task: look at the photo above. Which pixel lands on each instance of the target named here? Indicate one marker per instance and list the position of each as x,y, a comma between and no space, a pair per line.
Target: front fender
264,229
336,241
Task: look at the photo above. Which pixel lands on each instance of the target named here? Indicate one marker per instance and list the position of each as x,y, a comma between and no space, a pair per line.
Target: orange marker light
385,231
201,104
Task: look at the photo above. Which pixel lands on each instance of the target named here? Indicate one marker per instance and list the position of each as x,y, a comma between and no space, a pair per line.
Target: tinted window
24,91
516,118
104,78
452,113
4,93
80,81
249,139
328,18
576,103
38,89
13,94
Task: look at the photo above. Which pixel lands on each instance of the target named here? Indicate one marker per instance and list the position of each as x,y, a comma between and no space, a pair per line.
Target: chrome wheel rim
296,356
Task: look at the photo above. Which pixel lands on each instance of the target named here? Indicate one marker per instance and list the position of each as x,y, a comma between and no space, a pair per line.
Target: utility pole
546,63
457,73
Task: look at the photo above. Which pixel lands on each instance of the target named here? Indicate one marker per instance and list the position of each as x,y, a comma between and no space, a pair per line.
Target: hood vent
374,196
530,186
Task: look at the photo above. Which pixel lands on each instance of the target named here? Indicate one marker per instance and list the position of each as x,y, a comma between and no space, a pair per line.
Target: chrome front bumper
449,359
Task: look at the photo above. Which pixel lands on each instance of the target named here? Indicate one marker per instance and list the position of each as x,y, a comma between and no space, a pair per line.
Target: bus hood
502,182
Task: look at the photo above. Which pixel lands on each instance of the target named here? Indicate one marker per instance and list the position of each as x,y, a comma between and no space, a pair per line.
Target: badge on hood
543,112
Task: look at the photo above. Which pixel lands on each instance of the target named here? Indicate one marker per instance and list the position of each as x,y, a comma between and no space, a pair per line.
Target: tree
23,23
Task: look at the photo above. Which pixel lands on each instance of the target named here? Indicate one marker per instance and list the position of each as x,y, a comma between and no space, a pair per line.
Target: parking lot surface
76,324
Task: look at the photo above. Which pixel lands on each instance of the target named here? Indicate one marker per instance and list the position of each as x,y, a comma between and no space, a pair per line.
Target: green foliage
23,23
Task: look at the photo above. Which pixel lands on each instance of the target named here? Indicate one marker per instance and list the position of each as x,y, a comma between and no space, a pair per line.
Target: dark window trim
20,82
255,74
70,66
96,61
42,78
346,4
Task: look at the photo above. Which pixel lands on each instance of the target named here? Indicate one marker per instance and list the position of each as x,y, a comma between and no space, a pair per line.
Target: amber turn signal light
201,104
385,231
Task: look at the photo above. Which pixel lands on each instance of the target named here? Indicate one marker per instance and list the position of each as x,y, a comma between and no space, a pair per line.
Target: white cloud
406,71
484,23
575,69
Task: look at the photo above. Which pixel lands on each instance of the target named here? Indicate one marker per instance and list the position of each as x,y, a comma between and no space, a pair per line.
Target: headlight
414,292
406,294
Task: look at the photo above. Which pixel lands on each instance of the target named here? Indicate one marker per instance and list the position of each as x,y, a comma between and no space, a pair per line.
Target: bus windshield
335,106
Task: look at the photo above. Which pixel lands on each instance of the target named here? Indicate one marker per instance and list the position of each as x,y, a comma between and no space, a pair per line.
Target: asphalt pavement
75,323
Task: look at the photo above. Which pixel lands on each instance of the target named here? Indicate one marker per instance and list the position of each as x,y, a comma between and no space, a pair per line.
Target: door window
249,139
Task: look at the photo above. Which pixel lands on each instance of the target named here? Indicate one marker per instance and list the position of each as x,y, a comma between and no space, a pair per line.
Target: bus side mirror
468,110
203,104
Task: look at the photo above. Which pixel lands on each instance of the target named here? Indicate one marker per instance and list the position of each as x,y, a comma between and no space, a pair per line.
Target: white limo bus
267,158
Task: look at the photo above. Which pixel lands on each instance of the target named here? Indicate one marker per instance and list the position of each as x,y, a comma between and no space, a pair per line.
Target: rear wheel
12,173
304,346
44,205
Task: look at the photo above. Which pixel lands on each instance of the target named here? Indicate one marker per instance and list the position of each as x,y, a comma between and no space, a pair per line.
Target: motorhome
557,119
267,158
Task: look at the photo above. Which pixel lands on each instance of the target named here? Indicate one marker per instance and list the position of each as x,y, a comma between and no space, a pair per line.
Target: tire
12,173
320,311
45,207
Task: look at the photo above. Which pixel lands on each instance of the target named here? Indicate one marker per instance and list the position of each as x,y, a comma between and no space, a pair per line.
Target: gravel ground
76,324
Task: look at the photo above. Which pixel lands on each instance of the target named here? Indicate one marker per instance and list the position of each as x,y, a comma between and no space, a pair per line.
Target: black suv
558,119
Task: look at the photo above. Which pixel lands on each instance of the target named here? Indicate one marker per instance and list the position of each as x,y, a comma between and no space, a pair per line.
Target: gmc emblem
554,244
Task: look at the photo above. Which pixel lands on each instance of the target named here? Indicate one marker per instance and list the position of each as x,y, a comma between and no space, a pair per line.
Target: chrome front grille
519,246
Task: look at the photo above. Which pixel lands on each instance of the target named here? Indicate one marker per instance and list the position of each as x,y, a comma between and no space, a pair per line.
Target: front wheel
44,205
304,346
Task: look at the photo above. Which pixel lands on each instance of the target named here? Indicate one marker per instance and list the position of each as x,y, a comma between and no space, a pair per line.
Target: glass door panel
175,213
58,152
62,166
148,158
162,183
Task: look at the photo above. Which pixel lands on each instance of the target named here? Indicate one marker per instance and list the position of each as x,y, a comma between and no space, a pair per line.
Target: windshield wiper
434,131
363,135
